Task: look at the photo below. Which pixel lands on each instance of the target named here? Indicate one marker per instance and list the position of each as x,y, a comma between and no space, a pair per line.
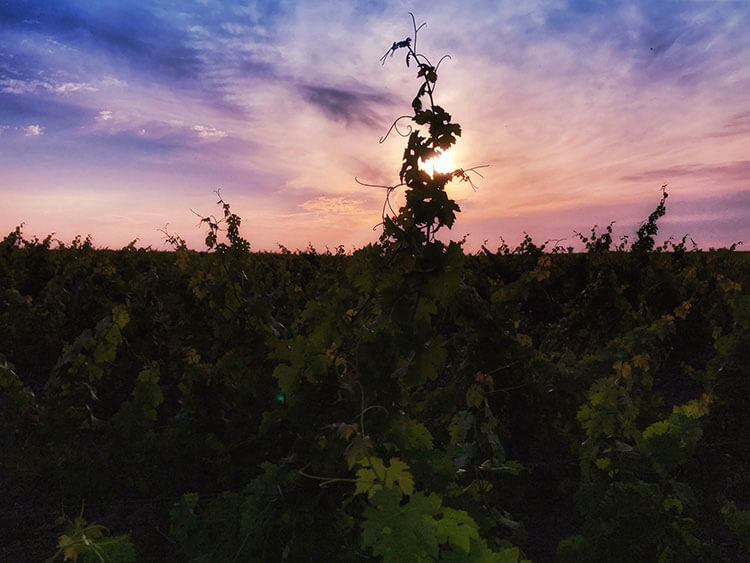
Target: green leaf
399,473
401,532
259,495
460,426
289,378
367,482
738,521
147,394
183,520
480,553
429,362
375,476
120,316
670,442
411,435
656,429
575,549
457,528
474,396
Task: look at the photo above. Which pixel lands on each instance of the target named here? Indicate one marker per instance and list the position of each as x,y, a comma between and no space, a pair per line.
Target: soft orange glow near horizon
580,121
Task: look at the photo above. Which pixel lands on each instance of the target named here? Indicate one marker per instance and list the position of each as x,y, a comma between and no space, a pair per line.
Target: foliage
738,521
93,543
406,401
521,401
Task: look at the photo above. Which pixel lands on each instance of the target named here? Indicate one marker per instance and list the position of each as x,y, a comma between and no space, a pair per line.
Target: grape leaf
183,518
374,476
460,425
289,378
411,435
401,532
481,553
474,396
399,472
457,528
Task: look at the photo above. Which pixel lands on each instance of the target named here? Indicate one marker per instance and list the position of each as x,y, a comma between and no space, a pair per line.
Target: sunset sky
119,117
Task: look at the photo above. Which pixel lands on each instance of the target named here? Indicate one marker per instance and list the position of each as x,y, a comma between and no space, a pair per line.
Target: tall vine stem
427,207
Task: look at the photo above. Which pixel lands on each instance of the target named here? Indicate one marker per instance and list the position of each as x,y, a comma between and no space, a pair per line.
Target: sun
442,163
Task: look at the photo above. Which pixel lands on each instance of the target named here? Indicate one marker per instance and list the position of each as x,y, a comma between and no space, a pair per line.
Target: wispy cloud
334,206
345,105
738,124
147,138
575,104
206,132
125,32
738,171
33,130
13,86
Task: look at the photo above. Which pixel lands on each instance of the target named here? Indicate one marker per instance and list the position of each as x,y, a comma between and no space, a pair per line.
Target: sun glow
442,164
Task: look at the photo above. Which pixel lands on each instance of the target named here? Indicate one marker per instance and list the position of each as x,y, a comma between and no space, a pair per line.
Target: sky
121,118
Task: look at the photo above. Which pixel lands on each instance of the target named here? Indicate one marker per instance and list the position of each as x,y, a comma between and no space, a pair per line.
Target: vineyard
406,402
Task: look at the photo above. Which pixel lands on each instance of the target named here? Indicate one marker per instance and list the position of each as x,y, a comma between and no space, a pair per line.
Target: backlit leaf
457,528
